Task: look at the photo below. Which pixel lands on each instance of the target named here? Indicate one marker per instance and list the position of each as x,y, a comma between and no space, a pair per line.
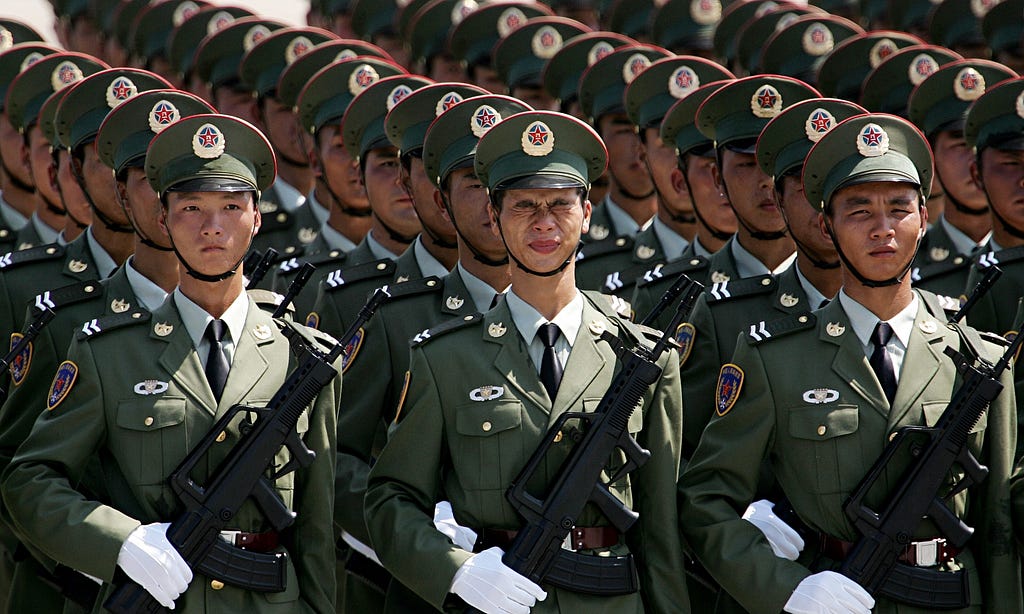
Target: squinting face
542,227
211,230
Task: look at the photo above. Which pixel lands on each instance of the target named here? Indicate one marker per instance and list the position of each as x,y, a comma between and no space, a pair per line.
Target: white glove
444,521
151,561
785,542
828,592
485,583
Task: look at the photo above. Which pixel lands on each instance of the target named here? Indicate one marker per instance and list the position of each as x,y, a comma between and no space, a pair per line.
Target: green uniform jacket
820,451
601,225
596,260
995,311
939,267
28,237
140,438
451,447
286,272
652,284
647,252
281,229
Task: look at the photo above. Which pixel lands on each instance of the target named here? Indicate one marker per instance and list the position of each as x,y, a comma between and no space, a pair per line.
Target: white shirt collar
962,243
479,290
196,319
672,243
105,265
11,216
426,261
291,199
528,320
46,234
336,240
623,222
379,251
993,246
699,249
320,212
814,297
863,321
747,264
149,294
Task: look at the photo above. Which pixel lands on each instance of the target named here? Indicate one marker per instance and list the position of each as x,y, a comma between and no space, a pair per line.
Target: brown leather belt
579,538
926,553
255,542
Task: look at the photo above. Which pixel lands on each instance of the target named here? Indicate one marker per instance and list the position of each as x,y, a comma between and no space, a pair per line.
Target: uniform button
216,585
766,281
221,437
148,421
822,429
486,426
802,319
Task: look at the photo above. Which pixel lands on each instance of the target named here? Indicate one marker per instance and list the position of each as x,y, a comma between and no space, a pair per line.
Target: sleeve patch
730,382
351,349
67,373
21,363
401,398
313,320
684,337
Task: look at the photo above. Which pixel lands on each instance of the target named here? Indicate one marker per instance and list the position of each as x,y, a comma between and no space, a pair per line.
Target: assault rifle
300,281
259,265
682,284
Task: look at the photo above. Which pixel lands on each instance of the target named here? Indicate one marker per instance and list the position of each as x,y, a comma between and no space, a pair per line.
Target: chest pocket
151,438
489,446
824,444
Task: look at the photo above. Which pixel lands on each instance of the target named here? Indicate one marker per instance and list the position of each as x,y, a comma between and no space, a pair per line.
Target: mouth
883,252
767,205
544,246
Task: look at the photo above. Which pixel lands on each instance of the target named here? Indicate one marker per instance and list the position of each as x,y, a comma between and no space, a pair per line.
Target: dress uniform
821,430
475,406
134,394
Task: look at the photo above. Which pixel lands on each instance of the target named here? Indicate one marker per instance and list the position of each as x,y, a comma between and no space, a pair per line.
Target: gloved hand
488,585
828,592
786,543
151,561
444,521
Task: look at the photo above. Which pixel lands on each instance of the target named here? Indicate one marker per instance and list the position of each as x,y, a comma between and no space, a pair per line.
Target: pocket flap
820,423
150,415
486,419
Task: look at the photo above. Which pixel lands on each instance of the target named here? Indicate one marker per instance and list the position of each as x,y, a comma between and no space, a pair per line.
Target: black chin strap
1009,228
892,281
393,234
55,155
203,276
138,232
280,154
109,223
806,251
957,204
774,235
18,183
721,235
519,263
477,254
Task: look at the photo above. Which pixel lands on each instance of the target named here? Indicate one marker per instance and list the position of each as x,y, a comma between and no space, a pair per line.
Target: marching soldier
520,57
184,39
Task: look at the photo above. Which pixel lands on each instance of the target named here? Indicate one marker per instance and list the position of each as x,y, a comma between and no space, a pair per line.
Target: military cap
148,34
519,57
429,27
785,141
867,148
330,91
629,17
124,17
602,86
909,14
842,72
734,17
219,54
751,37
89,101
736,113
406,123
799,48
371,18
102,12
473,38
1003,27
125,134
183,40
651,94
940,102
47,115
404,15
210,153
873,12
685,24
17,59
362,126
561,74
36,83
13,32
451,139
887,87
540,149
296,75
263,64
997,118
679,125
957,23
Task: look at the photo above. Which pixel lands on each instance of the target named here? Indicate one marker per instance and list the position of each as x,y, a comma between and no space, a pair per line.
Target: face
388,198
142,205
421,189
487,78
444,68
627,170
340,170
84,37
953,165
71,193
877,225
467,198
542,227
283,131
14,153
43,172
1002,175
341,24
239,104
750,191
803,220
535,96
113,53
705,194
394,46
100,184
661,161
211,230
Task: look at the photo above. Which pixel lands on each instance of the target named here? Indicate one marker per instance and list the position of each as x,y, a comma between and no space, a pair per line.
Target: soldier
150,32
752,36
77,209
133,392
686,27
1003,28
867,365
428,31
957,25
797,49
183,41
841,73
520,56
373,21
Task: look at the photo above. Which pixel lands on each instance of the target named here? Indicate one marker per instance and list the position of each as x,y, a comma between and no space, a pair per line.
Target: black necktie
550,367
216,362
881,362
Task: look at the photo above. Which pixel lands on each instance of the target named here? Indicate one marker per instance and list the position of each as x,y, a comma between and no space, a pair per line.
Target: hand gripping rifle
537,552
211,508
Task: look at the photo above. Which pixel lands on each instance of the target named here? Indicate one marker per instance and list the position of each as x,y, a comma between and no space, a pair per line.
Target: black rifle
259,265
32,330
300,281
682,282
885,533
537,552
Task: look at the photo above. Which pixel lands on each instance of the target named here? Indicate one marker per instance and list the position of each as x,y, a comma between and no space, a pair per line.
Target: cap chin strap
349,211
107,221
393,234
1009,228
815,262
18,183
721,235
761,235
138,232
555,271
957,204
212,278
871,283
679,218
280,154
477,254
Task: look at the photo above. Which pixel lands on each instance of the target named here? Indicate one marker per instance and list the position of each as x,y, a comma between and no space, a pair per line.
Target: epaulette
268,300
937,269
51,251
608,246
444,328
414,287
292,265
948,303
96,326
610,305
618,280
6,236
762,331
1004,256
273,217
994,338
721,291
68,295
369,270
672,269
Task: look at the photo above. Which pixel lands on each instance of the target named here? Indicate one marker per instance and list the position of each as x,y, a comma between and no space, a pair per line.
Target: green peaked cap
125,134
734,17
539,147
875,147
404,15
13,32
124,18
842,72
679,125
452,138
751,37
89,101
603,85
153,25
362,126
997,118
686,24
1003,27
561,74
941,101
473,38
371,18
102,13
330,91
15,60
786,140
183,40
36,83
519,58
263,64
653,92
298,74
47,115
798,49
219,54
957,23
429,27
739,111
629,17
406,123
887,87
210,147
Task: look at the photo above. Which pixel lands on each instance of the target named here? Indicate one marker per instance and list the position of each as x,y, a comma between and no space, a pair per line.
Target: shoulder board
369,270
276,218
762,331
414,287
1004,256
610,305
97,326
995,338
268,300
939,305
608,246
42,253
721,291
937,269
672,269
614,282
68,295
444,328
292,265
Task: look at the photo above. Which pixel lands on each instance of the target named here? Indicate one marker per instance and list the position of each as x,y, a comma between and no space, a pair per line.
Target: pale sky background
39,14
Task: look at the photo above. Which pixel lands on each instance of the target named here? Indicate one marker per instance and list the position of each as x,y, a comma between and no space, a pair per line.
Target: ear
678,181
976,174
716,176
439,203
823,226
588,209
258,218
493,215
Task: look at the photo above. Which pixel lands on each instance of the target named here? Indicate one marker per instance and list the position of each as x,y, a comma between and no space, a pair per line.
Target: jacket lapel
179,359
587,361
249,362
850,363
920,363
513,360
456,300
78,263
120,296
789,294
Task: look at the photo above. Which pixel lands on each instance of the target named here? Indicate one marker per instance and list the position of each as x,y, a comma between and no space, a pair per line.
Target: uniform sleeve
720,481
699,374
37,486
327,311
404,485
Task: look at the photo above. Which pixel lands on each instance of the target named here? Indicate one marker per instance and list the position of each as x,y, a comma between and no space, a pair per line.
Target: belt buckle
230,537
926,554
567,542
